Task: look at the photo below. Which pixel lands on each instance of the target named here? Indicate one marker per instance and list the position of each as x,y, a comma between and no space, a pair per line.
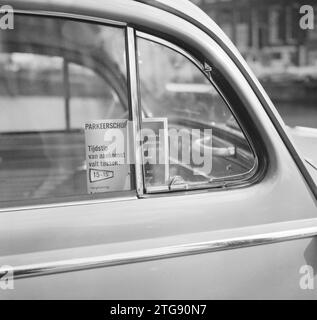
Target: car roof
182,8
189,11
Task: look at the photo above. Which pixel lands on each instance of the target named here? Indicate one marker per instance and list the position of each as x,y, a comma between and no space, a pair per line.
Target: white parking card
107,152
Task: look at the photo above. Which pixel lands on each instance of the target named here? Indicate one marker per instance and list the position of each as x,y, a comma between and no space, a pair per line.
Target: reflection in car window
55,76
205,142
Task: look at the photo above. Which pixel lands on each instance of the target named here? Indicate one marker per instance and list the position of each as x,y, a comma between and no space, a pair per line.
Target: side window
191,139
57,76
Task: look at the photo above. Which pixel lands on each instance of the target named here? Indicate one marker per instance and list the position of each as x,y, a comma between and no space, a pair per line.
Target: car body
249,237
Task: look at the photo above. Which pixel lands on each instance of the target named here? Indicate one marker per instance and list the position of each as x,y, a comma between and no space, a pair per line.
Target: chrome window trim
8,206
234,181
190,249
135,109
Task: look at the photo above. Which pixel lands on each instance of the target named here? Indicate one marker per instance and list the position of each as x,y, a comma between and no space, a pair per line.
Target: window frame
135,114
255,174
73,200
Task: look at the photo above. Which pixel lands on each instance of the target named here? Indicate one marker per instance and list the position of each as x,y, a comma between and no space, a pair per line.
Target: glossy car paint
280,202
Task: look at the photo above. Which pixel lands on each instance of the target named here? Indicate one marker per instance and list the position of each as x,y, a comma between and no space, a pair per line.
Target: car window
58,77
191,139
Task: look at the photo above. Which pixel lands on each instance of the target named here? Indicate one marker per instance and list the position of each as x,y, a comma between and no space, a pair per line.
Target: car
140,158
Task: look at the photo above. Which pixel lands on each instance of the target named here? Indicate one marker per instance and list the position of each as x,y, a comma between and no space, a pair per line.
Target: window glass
190,137
56,76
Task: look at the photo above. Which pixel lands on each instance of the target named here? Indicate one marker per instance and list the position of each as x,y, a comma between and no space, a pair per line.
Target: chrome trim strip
136,115
111,260
130,196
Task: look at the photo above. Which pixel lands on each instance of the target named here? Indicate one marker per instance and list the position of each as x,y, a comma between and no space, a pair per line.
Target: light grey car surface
240,242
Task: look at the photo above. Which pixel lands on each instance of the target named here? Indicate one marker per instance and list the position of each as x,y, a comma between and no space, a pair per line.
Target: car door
241,227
